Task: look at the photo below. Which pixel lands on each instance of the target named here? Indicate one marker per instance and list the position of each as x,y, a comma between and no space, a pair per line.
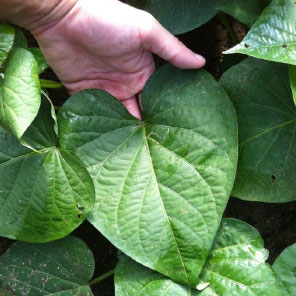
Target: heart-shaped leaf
6,41
285,268
293,81
236,266
19,92
273,37
246,11
162,183
179,16
59,268
266,113
46,193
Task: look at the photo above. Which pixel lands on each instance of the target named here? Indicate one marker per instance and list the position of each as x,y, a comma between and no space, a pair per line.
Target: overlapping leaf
59,268
6,41
161,184
44,194
285,268
266,113
273,37
19,92
235,266
180,16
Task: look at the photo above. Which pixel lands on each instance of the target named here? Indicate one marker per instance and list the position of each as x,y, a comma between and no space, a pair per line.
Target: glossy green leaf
292,73
285,268
245,11
236,263
6,41
40,59
44,194
161,184
60,268
236,266
19,92
179,16
266,113
273,37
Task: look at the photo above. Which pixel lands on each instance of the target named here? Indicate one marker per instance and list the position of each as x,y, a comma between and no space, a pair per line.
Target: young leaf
273,37
6,41
179,16
45,194
59,268
161,184
266,113
236,266
19,92
245,11
285,266
293,81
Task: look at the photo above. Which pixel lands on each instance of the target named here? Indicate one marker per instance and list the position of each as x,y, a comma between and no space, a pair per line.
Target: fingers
161,42
133,107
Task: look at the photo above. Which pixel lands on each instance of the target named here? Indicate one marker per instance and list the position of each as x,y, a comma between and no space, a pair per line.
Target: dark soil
275,222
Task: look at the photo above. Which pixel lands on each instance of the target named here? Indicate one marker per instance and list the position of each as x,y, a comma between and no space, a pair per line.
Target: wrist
35,15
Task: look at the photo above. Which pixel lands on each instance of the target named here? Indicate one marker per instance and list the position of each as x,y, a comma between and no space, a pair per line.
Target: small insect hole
247,45
79,216
284,45
273,178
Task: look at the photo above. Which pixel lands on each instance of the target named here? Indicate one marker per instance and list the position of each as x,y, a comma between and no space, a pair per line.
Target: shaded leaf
285,268
266,113
245,11
161,184
19,39
236,266
59,268
6,41
45,194
19,92
179,16
273,37
40,59
293,81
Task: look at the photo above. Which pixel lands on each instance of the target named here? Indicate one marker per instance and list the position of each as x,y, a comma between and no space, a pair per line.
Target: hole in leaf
79,216
81,209
273,179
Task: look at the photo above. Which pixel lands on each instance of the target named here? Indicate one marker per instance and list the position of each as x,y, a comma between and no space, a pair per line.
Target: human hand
106,44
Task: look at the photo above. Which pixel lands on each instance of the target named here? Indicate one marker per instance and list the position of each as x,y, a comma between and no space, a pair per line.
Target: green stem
50,84
102,277
228,27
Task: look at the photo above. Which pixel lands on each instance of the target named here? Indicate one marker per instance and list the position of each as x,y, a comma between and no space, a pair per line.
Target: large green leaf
246,11
6,41
179,16
285,268
44,194
293,81
161,184
236,266
266,113
60,268
19,92
273,37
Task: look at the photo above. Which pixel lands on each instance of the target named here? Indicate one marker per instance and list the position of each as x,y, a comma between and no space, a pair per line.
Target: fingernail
200,58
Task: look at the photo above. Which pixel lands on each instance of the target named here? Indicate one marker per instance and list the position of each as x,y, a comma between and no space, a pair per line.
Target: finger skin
161,42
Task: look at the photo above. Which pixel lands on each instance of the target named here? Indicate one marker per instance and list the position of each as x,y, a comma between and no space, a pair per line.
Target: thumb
158,40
